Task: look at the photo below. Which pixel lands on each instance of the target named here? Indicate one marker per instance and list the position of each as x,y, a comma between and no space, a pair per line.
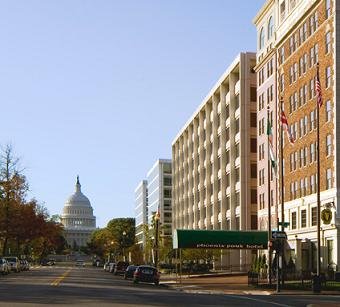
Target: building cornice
263,11
227,72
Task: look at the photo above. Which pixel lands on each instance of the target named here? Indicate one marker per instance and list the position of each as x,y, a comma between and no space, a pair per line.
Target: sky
100,89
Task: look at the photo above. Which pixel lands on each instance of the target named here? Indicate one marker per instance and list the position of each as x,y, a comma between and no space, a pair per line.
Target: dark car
120,268
129,271
146,273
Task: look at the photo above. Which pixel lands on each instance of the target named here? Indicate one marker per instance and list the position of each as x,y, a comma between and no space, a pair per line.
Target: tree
13,188
122,231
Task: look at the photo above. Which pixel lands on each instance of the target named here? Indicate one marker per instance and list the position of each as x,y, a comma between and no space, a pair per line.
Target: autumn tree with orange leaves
25,227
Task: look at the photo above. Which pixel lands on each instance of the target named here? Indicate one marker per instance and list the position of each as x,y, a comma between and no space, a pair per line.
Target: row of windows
300,158
308,123
270,97
301,35
303,218
269,69
307,185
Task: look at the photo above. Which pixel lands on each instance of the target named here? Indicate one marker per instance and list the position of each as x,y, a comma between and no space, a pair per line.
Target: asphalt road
72,286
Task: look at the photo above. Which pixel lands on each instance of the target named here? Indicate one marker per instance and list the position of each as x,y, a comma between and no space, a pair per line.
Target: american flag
284,123
318,87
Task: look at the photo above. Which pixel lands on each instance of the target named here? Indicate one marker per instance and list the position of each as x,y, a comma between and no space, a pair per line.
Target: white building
141,210
159,180
214,159
78,219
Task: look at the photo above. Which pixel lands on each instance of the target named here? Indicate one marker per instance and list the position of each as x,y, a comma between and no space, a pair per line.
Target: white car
14,262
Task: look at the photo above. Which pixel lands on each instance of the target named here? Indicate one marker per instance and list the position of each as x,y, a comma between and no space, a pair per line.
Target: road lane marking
59,279
261,301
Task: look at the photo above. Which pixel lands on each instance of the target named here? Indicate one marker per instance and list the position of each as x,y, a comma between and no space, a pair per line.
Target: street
56,286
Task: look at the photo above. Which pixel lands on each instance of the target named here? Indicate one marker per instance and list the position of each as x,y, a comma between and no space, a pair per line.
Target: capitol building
77,218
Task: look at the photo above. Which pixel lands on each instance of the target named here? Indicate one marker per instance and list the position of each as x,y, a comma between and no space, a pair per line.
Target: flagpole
282,193
318,251
269,205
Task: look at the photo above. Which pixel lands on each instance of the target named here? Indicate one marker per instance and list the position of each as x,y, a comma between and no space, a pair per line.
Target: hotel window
252,93
329,178
296,185
293,220
306,155
313,23
282,55
282,83
237,125
314,216
253,196
227,136
302,187
329,144
253,145
227,156
313,57
312,153
292,44
328,8
253,170
328,110
227,112
312,184
328,41
302,157
227,180
311,88
328,76
237,174
330,251
237,223
261,39
237,150
312,122
303,218
270,68
253,120
270,27
282,10
295,74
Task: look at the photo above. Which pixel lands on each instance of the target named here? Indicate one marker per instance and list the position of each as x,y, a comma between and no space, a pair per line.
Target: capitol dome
78,218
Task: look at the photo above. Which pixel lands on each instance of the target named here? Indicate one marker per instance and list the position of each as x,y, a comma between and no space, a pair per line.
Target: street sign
279,235
285,224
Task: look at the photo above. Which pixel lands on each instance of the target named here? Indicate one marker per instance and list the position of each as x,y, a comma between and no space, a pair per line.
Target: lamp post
123,244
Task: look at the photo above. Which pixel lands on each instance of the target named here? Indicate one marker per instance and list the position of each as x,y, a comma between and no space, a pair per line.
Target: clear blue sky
101,88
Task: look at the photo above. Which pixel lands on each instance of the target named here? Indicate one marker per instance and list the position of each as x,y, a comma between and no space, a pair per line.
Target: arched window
270,27
261,42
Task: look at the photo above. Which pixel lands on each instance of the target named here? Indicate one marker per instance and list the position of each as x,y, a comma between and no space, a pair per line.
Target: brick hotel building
296,35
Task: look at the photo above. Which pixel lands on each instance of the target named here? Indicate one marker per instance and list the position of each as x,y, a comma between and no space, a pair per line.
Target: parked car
14,263
4,267
24,265
120,268
146,273
129,271
80,263
48,262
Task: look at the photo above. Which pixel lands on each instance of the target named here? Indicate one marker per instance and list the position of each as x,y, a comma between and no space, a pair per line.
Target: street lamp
123,244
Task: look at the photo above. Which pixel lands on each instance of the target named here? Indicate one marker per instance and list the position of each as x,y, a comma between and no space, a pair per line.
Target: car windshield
11,259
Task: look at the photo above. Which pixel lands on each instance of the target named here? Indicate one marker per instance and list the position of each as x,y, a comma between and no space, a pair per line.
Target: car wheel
157,283
135,281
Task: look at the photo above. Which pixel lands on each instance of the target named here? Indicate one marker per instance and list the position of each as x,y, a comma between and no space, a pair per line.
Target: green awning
221,239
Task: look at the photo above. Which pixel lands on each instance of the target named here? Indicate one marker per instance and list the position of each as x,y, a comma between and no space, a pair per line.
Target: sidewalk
227,283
